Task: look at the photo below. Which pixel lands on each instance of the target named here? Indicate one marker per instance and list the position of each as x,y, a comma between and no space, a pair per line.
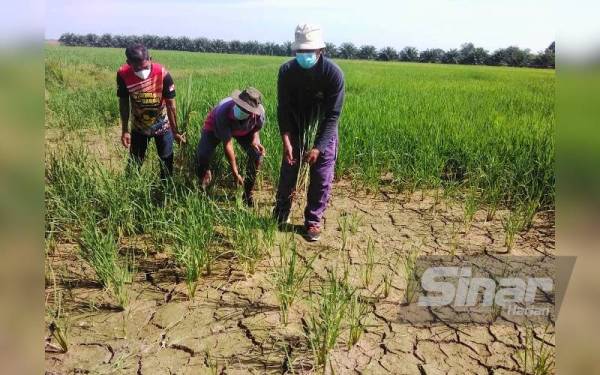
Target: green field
484,128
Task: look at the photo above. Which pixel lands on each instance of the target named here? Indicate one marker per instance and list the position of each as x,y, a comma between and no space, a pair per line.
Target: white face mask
143,74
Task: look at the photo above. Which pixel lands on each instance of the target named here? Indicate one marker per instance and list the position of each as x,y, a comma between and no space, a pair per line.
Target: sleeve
334,100
222,128
283,103
122,91
168,91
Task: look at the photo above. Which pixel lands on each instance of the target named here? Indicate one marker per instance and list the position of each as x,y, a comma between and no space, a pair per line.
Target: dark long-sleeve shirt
308,95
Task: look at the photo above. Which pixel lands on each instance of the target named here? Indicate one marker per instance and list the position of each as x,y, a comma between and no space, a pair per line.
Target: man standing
151,91
310,89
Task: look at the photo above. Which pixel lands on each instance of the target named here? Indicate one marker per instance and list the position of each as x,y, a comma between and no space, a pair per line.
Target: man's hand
312,156
288,154
180,138
239,180
126,139
259,148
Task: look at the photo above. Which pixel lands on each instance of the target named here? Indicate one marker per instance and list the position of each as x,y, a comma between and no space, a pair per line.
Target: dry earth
233,327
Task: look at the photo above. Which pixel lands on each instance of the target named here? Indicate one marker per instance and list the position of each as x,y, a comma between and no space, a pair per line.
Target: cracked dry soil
233,325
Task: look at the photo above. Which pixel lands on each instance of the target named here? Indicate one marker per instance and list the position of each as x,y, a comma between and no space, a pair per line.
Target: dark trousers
206,149
164,148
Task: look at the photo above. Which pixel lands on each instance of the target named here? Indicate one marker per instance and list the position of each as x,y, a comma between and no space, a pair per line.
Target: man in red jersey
146,90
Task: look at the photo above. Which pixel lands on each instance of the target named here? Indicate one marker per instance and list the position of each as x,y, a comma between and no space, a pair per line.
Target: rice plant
470,208
289,275
344,228
512,225
393,262
453,239
387,284
537,356
528,211
411,274
324,323
354,221
59,321
193,233
357,312
307,139
253,236
369,262
186,106
99,249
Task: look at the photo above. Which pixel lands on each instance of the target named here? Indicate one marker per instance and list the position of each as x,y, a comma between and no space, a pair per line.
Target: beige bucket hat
308,37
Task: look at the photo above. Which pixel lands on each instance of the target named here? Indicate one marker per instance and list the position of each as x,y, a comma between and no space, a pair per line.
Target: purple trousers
319,188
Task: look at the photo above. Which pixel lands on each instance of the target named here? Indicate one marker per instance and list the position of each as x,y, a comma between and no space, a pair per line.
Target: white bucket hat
308,37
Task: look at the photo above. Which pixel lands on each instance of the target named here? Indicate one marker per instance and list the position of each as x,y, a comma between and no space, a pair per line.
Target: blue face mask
239,114
306,59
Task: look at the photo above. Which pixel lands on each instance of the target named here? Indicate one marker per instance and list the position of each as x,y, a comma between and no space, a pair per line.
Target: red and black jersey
147,96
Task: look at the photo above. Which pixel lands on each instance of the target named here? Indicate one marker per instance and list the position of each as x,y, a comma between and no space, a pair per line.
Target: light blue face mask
239,114
306,59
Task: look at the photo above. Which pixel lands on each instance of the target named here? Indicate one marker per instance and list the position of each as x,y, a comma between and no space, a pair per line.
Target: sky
419,23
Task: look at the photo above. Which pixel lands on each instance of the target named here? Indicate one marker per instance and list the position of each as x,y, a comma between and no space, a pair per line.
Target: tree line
467,54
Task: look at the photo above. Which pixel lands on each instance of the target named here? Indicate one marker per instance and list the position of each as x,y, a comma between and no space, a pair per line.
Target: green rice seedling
70,185
528,211
193,233
348,224
512,225
387,278
344,227
324,323
537,356
186,106
470,208
99,249
289,276
354,221
357,312
251,236
454,239
212,363
59,329
495,312
268,229
59,320
436,196
494,197
411,276
387,284
193,260
495,309
369,262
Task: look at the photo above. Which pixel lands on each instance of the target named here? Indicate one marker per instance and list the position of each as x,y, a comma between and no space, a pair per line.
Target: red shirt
147,96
